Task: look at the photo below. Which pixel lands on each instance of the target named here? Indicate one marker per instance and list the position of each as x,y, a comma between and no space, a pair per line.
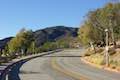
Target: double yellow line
72,74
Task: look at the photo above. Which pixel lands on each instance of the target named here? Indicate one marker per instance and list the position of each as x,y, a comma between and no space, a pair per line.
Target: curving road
68,60
41,69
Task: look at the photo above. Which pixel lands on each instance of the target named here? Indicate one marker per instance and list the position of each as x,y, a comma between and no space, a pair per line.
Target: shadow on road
15,70
14,73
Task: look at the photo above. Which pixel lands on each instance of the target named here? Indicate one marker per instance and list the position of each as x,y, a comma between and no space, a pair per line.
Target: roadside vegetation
24,43
92,34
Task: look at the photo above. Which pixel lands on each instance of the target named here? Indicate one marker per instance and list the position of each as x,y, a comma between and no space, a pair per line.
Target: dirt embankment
98,59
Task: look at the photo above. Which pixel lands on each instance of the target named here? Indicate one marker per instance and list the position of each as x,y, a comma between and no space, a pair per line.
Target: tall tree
107,17
87,34
21,42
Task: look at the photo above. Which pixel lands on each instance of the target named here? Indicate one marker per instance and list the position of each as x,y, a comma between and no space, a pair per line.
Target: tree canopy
97,21
22,41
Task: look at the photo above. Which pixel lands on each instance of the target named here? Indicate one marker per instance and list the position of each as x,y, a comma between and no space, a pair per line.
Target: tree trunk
92,47
113,38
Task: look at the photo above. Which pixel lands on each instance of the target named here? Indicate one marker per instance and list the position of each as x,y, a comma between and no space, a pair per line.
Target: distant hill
48,34
3,42
54,33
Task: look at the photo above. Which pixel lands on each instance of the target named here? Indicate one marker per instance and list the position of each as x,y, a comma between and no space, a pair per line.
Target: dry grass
97,59
114,64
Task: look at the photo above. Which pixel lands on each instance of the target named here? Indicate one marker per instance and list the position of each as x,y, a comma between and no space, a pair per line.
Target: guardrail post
7,77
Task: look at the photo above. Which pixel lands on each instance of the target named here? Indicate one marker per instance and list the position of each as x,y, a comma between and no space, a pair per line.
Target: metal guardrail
4,72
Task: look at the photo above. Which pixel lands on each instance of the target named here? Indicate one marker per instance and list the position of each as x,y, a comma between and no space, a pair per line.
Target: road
41,68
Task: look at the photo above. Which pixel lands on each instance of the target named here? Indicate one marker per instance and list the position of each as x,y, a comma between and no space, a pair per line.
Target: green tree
87,34
63,43
107,17
5,51
21,42
32,48
49,46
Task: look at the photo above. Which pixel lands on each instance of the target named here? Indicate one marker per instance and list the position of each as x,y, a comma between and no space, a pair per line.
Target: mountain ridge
47,34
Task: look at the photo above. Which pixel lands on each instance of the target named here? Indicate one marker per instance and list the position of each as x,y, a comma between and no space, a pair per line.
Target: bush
114,63
112,51
89,52
99,50
97,59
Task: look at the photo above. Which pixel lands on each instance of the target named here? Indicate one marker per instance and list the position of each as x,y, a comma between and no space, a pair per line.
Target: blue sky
37,14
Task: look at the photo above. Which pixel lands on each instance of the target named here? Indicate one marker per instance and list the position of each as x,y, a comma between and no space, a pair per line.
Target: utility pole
107,48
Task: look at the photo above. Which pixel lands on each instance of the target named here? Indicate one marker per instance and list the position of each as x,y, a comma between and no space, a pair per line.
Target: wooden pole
107,49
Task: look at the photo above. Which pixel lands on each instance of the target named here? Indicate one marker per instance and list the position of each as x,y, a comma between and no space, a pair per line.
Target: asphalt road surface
41,68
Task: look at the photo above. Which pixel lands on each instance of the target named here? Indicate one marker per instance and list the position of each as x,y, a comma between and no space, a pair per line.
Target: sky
39,14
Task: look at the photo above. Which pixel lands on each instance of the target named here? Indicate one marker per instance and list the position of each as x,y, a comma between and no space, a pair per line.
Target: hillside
53,34
48,34
3,42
